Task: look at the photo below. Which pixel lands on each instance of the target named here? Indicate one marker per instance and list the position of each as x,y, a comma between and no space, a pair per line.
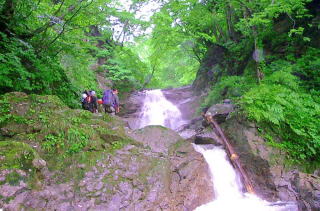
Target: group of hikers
109,101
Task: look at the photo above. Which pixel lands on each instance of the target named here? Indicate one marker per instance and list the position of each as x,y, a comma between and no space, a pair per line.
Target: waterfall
227,187
157,110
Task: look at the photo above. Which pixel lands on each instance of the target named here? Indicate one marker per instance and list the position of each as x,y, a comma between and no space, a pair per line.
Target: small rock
98,193
99,186
82,166
39,163
90,187
115,177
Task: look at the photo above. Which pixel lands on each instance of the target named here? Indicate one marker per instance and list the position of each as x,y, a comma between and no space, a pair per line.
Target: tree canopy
269,51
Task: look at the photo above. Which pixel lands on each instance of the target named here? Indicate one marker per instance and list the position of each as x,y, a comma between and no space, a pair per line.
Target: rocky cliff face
55,158
210,69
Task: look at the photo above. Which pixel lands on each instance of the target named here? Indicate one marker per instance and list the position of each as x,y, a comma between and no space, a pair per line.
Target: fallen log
231,153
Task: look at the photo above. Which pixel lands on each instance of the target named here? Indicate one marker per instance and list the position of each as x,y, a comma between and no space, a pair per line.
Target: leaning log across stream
231,153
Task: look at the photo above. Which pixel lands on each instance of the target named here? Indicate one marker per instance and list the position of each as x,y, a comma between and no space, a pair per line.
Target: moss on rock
16,155
43,126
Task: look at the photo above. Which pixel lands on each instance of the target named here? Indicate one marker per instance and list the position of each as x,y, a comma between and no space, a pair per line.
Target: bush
288,112
308,69
231,87
23,70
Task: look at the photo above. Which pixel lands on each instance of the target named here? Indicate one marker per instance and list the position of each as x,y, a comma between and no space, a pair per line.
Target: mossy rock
63,137
16,155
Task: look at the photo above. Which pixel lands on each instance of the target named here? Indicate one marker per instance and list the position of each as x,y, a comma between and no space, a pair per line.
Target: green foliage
50,47
126,69
117,145
24,71
74,141
14,178
287,112
77,140
308,69
6,116
230,87
16,155
52,143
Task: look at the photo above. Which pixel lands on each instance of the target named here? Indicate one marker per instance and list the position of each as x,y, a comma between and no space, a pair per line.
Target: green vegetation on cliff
266,58
35,127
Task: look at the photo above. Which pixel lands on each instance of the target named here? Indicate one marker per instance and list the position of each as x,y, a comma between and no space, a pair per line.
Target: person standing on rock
116,104
111,101
93,104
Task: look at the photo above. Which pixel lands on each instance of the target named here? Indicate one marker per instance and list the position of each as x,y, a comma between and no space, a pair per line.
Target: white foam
228,187
157,110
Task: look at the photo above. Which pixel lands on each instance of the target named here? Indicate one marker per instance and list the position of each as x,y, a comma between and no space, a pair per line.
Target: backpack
107,98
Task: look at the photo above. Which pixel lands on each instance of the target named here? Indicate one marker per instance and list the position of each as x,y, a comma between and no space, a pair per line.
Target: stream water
157,110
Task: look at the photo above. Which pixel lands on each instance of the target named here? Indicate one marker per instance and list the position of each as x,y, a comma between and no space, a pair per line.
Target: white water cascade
157,110
227,187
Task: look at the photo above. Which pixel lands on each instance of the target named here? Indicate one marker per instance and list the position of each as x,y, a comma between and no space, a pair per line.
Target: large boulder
134,178
131,109
158,138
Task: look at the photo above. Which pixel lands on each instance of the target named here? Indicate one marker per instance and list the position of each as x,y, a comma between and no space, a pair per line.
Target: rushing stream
227,187
157,110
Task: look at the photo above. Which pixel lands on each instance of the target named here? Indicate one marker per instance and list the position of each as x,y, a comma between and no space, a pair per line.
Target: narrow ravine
157,110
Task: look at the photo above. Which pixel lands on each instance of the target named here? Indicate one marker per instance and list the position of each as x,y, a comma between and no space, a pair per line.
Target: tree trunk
234,158
229,14
149,79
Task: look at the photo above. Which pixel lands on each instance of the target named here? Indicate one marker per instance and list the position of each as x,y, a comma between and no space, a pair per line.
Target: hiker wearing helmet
92,101
83,101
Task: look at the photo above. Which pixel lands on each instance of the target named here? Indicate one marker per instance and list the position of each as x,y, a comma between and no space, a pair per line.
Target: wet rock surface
157,137
185,99
132,108
134,178
220,112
